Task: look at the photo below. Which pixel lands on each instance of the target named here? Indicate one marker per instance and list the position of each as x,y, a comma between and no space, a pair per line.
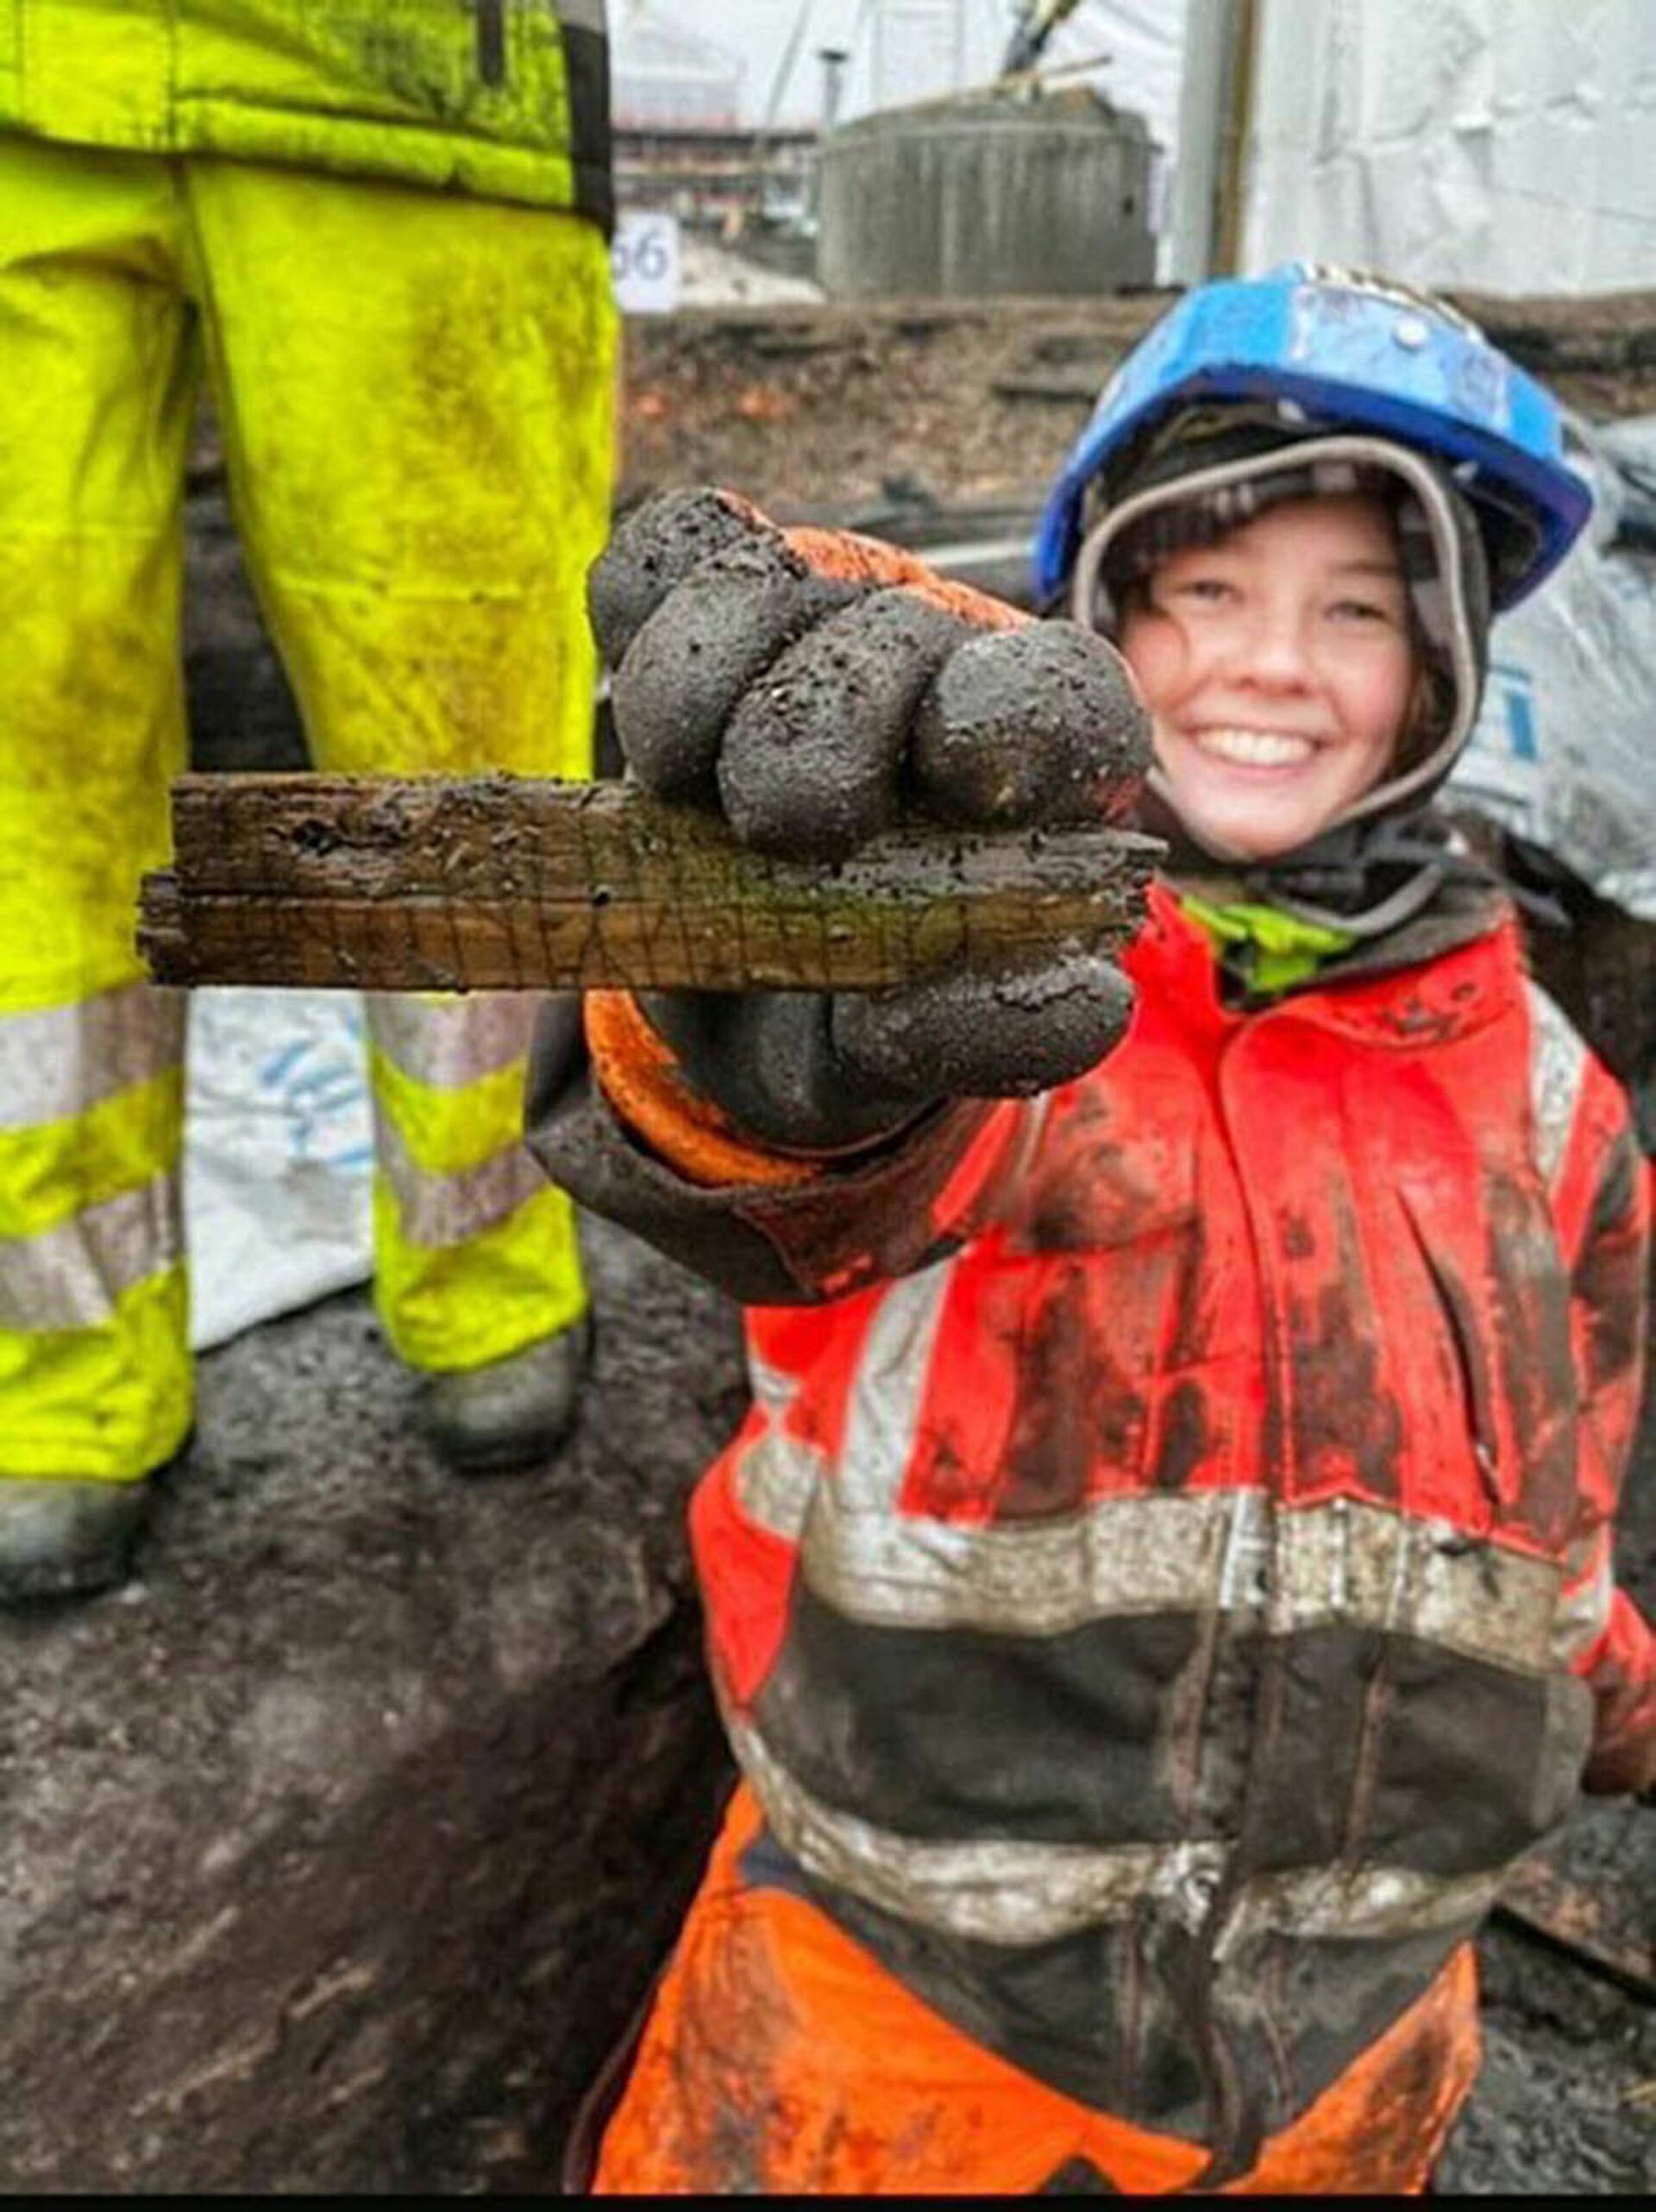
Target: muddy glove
814,687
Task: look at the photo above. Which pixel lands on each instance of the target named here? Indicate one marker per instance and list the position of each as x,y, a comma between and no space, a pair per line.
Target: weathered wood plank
502,882
1605,1928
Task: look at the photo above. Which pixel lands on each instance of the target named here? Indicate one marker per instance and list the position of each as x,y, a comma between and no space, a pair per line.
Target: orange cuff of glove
852,559
643,1081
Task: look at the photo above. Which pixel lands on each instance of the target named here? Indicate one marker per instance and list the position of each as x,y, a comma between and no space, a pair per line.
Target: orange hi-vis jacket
1163,1580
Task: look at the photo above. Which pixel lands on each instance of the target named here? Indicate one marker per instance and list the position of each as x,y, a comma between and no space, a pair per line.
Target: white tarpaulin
1143,43
1565,751
1471,143
279,1149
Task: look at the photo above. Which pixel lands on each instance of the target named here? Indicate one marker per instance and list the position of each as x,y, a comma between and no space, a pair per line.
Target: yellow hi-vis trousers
414,394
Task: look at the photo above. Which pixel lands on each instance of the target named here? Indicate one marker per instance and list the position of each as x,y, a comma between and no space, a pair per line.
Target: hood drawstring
1365,878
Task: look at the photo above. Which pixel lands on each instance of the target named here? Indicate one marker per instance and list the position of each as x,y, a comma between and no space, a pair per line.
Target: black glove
814,686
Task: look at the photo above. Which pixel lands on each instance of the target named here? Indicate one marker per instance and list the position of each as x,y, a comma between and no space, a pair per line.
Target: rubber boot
68,1538
511,1412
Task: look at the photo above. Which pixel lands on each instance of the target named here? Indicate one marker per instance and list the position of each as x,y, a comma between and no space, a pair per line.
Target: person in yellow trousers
377,228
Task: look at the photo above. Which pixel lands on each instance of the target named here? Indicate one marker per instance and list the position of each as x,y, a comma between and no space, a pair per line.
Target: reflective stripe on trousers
413,391
94,1375
780,2059
475,1252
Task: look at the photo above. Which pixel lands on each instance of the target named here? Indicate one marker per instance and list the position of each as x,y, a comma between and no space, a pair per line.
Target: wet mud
696,655
650,552
811,762
1003,1036
855,409
341,1846
1032,726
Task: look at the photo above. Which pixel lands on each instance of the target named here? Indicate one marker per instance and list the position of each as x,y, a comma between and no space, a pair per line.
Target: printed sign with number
645,263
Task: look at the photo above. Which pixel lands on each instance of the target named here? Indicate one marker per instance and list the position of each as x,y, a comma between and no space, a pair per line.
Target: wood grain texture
503,882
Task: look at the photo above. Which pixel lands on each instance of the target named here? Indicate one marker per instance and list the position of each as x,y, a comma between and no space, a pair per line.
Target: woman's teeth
1255,748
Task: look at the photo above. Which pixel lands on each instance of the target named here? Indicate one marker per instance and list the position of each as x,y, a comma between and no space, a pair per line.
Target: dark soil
1566,2104
342,1845
850,406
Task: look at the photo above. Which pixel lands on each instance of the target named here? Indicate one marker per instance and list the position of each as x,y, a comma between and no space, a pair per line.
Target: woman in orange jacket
1164,1578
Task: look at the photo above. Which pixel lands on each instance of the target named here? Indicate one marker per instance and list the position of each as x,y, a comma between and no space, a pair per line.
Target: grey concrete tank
975,197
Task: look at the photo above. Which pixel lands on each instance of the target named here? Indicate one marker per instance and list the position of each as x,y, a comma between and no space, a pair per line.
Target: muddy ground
853,407
342,1844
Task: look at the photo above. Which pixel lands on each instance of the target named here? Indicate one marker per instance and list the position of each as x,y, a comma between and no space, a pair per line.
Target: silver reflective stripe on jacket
1341,1564
1558,1068
893,1374
1584,1605
777,1476
1018,1894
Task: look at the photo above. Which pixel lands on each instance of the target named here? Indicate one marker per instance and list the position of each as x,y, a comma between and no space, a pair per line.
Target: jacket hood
1369,866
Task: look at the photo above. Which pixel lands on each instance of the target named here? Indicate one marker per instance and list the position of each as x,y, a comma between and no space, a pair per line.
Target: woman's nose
1271,650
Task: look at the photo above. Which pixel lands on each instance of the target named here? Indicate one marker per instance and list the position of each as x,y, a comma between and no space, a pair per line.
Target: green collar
1267,951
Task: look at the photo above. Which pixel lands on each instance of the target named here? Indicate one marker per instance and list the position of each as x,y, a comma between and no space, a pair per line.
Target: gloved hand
814,686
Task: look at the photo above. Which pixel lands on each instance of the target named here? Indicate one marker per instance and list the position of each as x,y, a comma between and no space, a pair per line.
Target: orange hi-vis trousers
779,2059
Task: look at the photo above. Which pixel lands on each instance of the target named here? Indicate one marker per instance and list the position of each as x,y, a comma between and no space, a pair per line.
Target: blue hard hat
1335,350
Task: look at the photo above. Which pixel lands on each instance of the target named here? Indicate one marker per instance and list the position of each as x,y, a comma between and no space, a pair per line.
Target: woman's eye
1209,590
1360,610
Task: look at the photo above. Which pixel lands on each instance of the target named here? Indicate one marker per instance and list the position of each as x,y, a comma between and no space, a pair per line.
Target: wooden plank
1603,1929
500,883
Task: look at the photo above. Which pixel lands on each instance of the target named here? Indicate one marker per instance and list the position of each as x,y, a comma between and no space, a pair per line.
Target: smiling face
1278,670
